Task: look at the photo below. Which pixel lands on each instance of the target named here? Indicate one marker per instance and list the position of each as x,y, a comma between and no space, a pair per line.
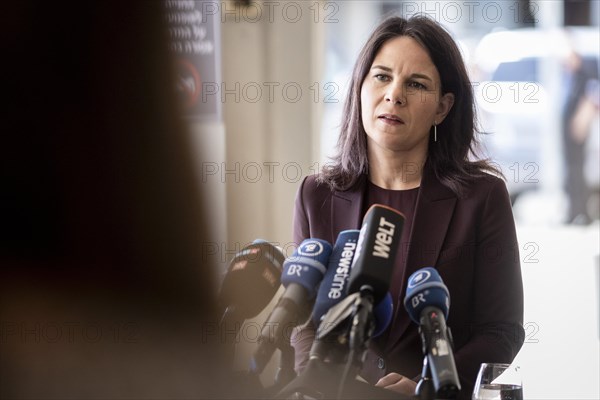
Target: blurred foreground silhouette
103,289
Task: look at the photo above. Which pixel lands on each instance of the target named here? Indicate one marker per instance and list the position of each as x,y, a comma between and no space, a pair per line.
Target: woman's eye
382,77
416,85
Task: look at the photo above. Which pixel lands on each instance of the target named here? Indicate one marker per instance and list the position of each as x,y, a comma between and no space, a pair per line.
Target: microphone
332,333
372,267
383,313
251,281
334,287
377,247
301,276
427,302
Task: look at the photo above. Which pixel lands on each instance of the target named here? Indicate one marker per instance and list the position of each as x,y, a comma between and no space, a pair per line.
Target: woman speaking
408,140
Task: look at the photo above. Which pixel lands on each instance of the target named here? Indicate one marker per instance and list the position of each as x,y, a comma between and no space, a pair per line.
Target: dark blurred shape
577,12
250,283
527,7
580,108
251,280
104,292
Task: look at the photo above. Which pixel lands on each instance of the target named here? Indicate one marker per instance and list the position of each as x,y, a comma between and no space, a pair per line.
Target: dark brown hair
449,156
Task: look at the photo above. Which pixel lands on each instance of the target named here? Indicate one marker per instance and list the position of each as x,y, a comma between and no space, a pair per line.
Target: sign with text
194,39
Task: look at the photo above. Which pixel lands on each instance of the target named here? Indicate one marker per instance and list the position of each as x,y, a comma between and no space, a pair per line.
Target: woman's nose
395,94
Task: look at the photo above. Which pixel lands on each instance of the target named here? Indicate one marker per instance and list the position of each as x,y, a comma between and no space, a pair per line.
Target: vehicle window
524,70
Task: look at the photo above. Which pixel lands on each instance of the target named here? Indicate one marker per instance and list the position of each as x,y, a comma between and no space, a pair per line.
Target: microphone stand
322,378
230,316
425,389
362,323
360,333
285,373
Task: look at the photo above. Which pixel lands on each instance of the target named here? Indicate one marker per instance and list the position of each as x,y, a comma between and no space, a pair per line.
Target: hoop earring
434,132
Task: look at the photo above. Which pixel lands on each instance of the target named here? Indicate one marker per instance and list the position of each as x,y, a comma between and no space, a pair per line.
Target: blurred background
261,86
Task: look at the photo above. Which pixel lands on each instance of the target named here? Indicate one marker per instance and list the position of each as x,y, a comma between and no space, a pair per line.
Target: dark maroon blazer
470,240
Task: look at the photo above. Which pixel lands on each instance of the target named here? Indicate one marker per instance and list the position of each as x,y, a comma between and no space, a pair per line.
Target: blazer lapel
346,208
433,212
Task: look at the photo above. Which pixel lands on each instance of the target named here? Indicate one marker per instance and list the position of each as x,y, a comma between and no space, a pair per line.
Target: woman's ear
444,107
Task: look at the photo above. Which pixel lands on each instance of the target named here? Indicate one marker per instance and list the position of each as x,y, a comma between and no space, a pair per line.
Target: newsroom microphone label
383,238
342,271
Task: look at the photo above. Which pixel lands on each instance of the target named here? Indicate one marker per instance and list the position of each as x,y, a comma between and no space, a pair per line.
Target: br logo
295,269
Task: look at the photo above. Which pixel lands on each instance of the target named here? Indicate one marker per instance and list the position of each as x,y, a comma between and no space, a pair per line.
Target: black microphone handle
438,349
286,370
362,323
229,328
425,389
333,325
286,314
232,318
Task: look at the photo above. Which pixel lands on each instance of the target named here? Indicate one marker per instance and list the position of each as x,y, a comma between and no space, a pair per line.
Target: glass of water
498,382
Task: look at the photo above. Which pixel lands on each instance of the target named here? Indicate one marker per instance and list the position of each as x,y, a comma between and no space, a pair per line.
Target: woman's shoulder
489,180
313,186
312,181
486,185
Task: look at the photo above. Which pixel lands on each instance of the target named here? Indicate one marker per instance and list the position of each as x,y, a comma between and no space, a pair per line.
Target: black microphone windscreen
252,279
376,251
